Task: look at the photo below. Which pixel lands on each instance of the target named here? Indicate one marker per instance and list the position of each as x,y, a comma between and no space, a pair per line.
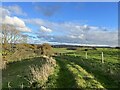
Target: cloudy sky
64,23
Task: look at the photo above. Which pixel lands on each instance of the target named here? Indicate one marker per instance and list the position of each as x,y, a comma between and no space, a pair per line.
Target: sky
93,23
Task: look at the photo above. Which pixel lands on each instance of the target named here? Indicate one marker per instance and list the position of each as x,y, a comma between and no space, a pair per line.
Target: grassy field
70,75
73,70
87,73
62,50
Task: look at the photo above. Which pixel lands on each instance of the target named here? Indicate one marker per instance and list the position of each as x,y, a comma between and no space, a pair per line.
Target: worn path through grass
62,77
70,75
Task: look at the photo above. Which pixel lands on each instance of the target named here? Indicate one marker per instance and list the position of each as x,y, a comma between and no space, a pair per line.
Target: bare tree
10,36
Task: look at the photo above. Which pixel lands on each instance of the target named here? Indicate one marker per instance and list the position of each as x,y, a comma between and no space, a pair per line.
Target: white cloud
24,29
66,32
12,10
72,36
14,21
4,11
44,29
15,9
17,22
69,32
81,36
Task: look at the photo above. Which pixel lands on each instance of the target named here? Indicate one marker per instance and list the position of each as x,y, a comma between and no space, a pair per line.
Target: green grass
106,75
110,55
62,50
72,70
18,72
98,70
70,75
62,77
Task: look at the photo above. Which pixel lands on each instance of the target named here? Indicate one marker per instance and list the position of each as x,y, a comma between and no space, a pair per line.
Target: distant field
102,72
110,55
62,50
73,70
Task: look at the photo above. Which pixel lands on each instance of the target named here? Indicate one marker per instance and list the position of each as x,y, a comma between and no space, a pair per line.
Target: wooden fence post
102,57
74,54
86,54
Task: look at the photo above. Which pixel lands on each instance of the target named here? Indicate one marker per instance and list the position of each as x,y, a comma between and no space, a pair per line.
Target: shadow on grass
62,78
66,78
96,69
16,72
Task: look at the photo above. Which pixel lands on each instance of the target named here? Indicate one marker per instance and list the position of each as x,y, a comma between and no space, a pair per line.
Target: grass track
71,75
62,77
97,69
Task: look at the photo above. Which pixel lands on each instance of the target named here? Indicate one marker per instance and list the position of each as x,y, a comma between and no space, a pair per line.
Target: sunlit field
73,69
59,45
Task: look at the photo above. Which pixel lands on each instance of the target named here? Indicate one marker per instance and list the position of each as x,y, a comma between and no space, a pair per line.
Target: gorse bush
23,51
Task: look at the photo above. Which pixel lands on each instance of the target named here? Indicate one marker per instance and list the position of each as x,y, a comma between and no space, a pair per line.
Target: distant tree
94,48
86,49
